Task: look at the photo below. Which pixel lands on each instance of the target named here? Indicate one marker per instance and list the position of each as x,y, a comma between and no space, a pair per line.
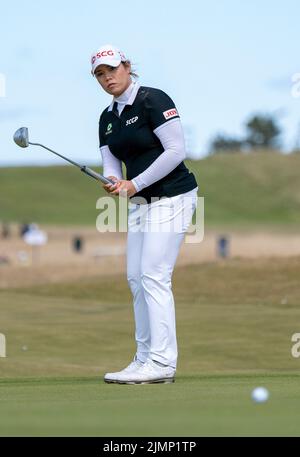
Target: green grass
234,322
240,191
194,406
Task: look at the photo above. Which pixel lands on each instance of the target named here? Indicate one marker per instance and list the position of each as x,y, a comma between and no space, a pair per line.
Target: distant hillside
239,190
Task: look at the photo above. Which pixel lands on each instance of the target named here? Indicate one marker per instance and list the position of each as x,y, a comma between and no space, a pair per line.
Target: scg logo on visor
102,54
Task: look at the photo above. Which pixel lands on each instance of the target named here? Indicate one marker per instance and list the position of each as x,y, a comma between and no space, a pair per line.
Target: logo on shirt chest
132,120
108,129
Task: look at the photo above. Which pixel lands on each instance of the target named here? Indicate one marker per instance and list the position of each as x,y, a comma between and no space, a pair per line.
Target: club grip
95,175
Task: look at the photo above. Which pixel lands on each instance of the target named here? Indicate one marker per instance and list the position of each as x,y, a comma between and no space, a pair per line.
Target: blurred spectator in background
24,229
5,230
223,247
77,243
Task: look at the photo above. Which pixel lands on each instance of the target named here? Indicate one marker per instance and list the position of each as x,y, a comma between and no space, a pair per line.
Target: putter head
21,137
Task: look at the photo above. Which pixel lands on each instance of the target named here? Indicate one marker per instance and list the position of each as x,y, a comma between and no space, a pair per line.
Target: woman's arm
171,137
111,165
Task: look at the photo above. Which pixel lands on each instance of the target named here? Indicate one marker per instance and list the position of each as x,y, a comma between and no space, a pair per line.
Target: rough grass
231,316
240,191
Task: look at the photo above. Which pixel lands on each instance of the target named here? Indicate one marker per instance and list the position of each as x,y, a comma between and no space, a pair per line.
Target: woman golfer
142,128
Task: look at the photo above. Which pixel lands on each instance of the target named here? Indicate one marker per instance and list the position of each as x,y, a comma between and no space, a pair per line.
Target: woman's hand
124,188
110,187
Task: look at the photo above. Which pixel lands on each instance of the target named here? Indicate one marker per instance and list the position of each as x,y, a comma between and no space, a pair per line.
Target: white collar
127,97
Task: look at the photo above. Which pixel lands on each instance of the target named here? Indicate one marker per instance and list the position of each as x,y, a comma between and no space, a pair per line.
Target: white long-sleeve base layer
171,137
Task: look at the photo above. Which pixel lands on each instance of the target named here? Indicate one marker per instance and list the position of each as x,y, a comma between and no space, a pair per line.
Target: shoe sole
154,381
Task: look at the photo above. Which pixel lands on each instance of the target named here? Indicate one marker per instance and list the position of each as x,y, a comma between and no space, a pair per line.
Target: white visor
107,55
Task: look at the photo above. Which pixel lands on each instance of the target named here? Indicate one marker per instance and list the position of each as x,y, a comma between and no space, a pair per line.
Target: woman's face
114,80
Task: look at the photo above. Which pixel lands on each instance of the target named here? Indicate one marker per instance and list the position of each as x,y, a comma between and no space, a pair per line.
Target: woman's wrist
136,185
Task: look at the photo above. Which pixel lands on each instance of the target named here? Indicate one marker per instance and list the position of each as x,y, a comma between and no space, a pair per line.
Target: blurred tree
263,132
222,143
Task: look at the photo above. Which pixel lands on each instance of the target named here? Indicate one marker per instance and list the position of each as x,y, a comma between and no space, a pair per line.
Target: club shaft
95,175
56,153
83,168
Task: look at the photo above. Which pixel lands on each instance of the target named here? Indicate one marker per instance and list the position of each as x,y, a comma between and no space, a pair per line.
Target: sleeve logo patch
170,113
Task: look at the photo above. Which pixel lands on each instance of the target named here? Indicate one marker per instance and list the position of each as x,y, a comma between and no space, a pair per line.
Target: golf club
21,138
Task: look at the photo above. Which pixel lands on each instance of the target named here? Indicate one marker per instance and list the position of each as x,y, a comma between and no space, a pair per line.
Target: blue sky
220,61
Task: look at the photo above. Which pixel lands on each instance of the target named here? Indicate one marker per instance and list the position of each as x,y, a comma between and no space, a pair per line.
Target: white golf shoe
133,366
150,372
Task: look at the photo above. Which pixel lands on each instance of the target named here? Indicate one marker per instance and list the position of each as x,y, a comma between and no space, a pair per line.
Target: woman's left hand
124,188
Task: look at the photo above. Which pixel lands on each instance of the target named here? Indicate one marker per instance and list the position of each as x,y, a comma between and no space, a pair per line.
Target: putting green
192,406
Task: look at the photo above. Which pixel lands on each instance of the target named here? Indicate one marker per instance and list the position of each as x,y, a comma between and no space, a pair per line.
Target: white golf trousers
155,233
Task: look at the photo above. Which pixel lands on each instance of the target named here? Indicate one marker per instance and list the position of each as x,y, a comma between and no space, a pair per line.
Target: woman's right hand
110,187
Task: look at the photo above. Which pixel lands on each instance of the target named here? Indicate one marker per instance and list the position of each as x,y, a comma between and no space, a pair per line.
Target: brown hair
132,72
